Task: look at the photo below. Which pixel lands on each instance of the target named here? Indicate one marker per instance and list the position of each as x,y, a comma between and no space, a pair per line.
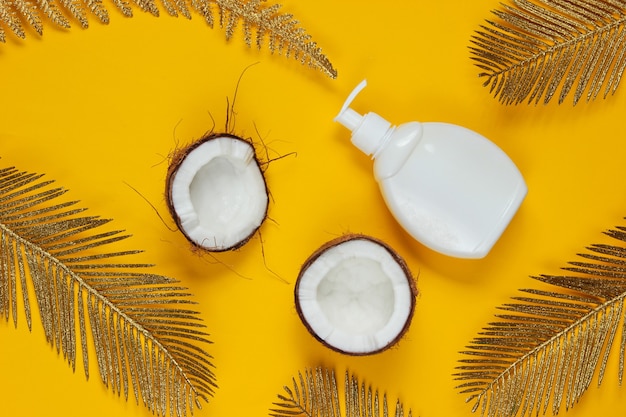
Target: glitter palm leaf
539,49
145,339
261,23
550,344
316,394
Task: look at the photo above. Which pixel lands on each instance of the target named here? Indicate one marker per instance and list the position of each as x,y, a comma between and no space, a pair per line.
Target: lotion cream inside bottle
450,188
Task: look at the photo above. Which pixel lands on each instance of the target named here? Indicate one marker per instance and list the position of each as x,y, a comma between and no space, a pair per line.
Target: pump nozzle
348,117
369,131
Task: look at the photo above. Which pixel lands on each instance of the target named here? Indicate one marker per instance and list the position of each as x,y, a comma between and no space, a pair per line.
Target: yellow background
101,109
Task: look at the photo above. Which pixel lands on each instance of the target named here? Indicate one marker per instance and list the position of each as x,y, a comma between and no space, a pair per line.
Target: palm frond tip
536,49
260,22
316,393
548,345
146,338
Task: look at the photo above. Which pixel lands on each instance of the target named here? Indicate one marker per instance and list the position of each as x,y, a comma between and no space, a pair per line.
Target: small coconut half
356,295
216,192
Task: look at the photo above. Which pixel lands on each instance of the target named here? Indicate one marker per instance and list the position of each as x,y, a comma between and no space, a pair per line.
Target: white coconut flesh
355,297
218,193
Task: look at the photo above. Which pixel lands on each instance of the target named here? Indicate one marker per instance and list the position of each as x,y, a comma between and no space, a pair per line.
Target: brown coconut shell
411,280
177,159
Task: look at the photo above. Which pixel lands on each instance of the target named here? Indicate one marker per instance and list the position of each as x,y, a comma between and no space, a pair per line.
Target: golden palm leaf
549,344
260,22
316,394
541,48
145,338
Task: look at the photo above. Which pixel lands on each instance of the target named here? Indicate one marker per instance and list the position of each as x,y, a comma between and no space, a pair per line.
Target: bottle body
452,189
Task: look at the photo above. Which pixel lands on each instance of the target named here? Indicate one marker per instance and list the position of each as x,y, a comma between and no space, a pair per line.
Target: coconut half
216,192
356,295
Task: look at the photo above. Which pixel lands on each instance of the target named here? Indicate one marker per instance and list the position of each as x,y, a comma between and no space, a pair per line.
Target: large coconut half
216,192
356,295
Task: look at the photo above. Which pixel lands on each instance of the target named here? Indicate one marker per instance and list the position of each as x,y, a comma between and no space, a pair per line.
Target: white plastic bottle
449,187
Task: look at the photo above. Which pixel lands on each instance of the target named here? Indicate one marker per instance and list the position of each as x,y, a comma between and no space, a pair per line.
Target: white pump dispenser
449,187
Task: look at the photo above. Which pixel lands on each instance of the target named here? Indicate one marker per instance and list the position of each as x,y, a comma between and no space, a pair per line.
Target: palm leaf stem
285,35
563,333
316,394
535,46
52,246
549,345
101,300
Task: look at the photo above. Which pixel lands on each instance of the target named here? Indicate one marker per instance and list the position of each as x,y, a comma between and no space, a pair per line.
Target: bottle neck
371,132
396,150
